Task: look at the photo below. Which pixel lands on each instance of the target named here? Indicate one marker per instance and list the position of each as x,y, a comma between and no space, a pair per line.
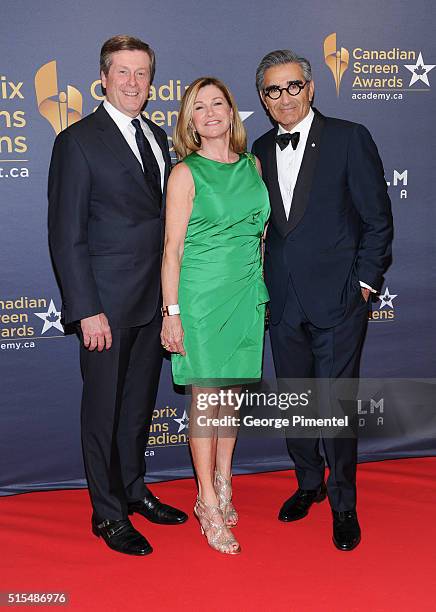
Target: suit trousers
119,393
301,350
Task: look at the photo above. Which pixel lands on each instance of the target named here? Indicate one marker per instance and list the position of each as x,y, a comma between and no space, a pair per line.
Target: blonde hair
185,140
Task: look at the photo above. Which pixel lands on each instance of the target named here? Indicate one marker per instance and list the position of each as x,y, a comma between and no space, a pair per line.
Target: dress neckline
219,162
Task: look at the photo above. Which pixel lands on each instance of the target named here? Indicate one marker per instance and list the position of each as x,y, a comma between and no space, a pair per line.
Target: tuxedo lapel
305,176
272,180
115,141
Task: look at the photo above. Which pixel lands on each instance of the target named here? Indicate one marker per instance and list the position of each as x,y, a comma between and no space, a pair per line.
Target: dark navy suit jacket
339,230
105,223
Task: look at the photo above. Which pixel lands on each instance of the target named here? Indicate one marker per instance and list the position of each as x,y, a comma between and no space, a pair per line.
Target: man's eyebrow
288,83
128,68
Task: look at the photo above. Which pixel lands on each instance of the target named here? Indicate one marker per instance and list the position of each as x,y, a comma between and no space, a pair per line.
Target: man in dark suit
327,246
107,177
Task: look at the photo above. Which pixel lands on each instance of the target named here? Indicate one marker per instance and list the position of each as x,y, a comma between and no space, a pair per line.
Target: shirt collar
120,118
303,127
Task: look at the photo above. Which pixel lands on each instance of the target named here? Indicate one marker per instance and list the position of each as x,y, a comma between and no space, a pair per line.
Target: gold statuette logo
59,108
336,60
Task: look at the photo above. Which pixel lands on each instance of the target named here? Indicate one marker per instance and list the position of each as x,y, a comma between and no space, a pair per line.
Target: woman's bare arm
180,195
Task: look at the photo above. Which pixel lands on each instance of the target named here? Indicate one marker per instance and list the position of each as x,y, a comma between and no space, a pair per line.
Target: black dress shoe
121,536
346,530
155,511
298,506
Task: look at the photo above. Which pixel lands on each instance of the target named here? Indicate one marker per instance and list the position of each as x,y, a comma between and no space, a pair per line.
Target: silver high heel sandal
218,536
223,489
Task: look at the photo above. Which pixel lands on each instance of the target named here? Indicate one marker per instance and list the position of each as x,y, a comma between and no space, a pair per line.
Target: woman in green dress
214,296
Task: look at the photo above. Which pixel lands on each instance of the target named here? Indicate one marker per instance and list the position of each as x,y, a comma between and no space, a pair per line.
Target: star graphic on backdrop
419,70
245,114
183,422
386,298
51,318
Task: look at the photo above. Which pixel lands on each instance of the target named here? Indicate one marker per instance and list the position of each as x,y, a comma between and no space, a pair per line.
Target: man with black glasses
327,246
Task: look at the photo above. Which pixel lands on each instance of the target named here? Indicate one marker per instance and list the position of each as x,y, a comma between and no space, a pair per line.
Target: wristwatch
171,309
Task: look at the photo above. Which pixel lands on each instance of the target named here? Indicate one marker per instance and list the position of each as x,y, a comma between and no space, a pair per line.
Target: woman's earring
195,135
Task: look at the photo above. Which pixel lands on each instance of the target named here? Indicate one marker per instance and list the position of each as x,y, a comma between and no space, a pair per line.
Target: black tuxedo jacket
105,223
339,230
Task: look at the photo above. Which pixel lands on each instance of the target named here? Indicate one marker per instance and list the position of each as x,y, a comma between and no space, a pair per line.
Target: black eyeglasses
294,87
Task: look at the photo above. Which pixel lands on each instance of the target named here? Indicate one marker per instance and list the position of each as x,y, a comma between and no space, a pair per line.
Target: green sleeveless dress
222,295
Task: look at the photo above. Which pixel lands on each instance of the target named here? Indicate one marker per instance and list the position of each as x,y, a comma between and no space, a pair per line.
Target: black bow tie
284,139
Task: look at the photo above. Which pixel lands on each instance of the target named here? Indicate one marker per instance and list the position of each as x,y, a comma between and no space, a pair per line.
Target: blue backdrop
49,76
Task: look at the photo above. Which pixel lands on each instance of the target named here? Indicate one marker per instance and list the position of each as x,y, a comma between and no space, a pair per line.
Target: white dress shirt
124,124
289,161
289,164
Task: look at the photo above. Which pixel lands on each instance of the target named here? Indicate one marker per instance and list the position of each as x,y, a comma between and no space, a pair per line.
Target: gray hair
277,58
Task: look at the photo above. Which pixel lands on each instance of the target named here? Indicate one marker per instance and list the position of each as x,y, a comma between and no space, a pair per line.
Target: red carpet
46,545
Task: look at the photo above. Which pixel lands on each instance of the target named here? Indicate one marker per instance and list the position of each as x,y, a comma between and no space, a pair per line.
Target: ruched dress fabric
222,295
